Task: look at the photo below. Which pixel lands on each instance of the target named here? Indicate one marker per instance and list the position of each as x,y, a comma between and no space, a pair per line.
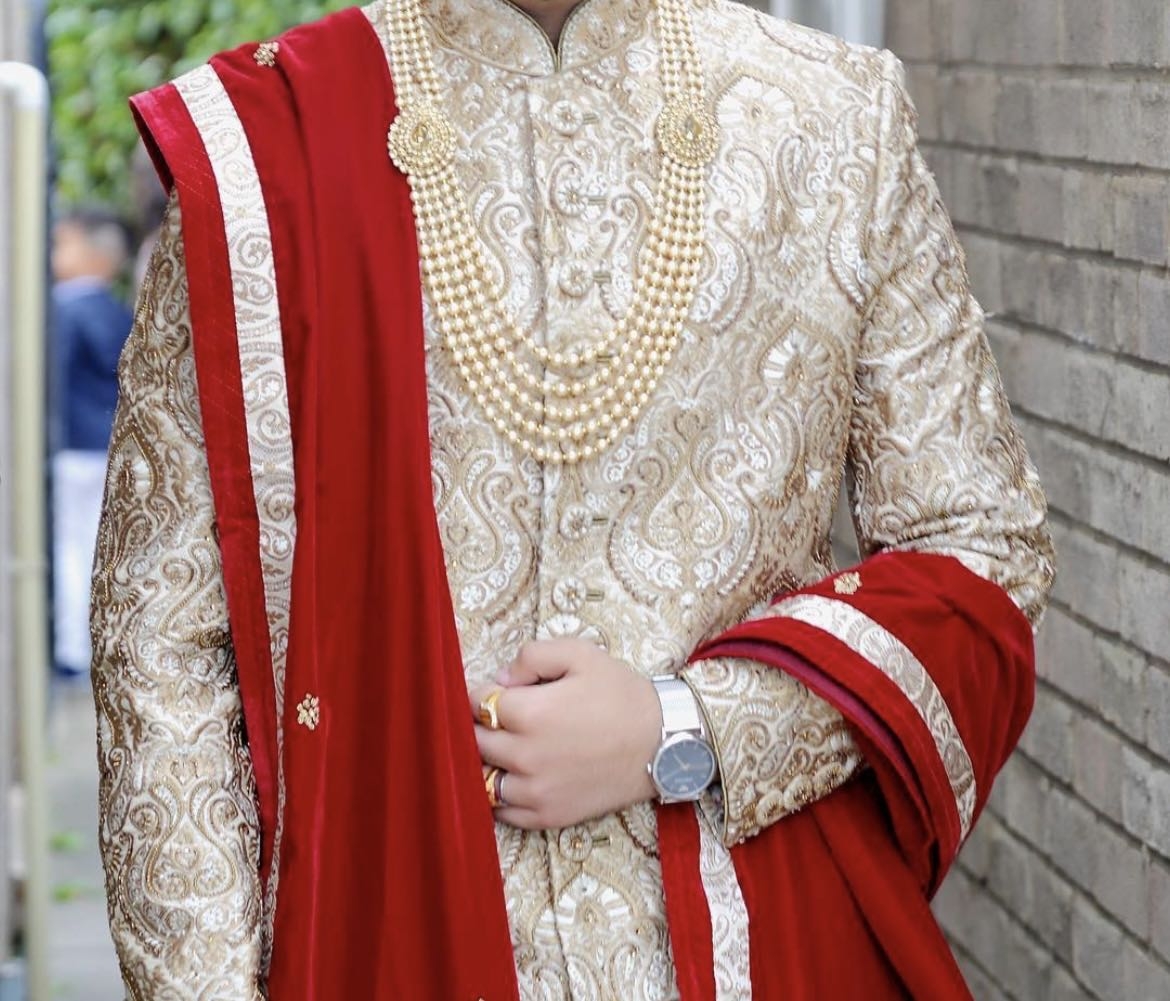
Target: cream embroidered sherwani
833,327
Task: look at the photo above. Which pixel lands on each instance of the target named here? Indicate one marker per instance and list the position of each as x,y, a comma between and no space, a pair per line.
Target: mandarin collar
500,33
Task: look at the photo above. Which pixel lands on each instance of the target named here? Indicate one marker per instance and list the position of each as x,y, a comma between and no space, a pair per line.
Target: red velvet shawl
387,880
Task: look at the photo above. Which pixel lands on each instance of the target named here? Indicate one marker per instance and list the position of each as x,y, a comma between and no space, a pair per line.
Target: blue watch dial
684,767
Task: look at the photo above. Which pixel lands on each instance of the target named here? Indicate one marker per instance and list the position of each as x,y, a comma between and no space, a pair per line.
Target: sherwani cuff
779,745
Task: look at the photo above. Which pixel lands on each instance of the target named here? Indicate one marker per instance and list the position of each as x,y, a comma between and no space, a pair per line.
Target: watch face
684,767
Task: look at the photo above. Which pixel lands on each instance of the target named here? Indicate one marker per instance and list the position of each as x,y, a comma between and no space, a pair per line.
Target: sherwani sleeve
936,466
179,832
779,745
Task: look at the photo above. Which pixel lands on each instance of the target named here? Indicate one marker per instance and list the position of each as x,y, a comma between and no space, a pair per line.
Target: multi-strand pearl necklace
559,407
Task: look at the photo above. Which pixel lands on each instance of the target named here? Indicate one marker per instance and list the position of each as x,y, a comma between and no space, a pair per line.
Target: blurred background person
91,250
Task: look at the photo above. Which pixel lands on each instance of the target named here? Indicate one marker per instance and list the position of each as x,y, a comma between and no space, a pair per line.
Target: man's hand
577,729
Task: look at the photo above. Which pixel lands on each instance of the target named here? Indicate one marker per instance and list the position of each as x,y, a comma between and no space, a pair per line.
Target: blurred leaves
66,843
103,51
67,893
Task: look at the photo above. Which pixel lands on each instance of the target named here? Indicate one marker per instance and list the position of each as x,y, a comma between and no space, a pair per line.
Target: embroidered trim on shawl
729,916
893,658
265,390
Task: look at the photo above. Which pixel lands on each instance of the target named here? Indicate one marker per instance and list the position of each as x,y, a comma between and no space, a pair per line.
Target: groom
520,350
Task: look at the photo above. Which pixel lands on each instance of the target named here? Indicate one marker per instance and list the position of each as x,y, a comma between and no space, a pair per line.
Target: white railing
26,566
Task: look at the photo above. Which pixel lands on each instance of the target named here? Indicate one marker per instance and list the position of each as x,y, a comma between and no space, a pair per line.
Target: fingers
516,710
516,816
523,793
545,660
517,803
487,706
502,749
520,720
477,695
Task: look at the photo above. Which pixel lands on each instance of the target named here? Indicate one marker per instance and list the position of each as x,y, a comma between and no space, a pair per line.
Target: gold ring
493,783
489,713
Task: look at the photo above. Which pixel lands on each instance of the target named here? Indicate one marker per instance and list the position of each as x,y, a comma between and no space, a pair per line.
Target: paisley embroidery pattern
832,325
179,831
780,747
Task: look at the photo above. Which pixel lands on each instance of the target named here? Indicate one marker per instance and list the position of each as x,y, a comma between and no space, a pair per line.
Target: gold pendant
421,141
687,132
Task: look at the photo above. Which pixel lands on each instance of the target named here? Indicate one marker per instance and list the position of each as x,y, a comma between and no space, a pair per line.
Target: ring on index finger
489,709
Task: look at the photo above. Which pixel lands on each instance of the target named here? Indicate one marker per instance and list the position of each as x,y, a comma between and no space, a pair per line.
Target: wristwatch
684,764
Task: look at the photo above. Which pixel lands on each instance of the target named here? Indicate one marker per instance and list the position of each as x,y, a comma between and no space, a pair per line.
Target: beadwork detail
847,583
309,712
558,407
265,54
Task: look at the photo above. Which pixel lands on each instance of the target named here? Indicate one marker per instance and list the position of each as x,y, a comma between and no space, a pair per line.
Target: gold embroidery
724,496
780,747
178,830
309,712
265,54
847,583
791,360
887,653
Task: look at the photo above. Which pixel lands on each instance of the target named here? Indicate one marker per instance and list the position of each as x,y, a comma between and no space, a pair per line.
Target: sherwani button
569,595
578,520
575,522
570,199
566,118
575,843
575,280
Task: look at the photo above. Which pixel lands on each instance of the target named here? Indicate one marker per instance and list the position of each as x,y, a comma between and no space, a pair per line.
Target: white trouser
78,485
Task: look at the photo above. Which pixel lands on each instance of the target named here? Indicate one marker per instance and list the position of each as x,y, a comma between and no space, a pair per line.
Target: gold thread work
309,712
265,54
847,583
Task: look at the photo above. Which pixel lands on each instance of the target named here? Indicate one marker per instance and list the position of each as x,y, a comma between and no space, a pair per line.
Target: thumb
541,660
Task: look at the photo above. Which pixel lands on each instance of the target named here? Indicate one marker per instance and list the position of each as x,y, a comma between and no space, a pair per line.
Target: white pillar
860,21
26,95
854,20
9,49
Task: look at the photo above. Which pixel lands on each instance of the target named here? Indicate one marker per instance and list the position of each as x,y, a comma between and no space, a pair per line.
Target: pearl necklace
558,407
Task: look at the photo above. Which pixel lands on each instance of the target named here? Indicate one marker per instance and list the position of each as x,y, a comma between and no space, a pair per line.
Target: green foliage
103,51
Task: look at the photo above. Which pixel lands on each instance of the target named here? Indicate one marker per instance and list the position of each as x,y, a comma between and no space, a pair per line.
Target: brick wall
1048,125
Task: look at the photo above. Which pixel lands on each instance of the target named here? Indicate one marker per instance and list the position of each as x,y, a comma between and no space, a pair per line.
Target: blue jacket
90,327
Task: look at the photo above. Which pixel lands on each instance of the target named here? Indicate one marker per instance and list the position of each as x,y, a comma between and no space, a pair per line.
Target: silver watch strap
680,708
